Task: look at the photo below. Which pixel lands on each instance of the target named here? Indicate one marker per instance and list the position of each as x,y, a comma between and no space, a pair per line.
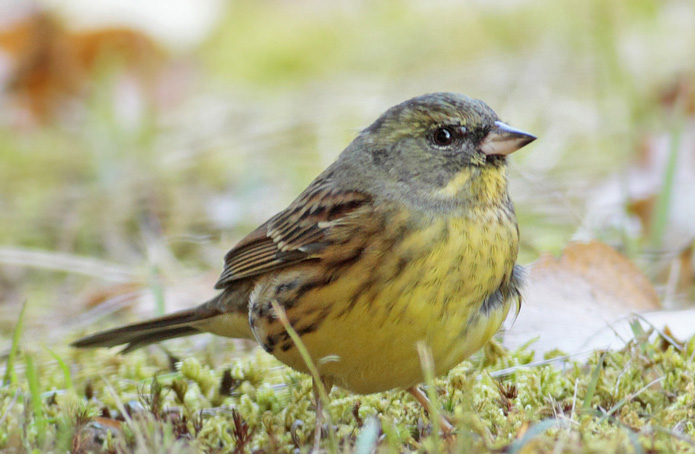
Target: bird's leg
447,427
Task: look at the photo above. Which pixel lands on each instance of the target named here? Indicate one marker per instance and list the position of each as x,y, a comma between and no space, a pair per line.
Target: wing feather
300,232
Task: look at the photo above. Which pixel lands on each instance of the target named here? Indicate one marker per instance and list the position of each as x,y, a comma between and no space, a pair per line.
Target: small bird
409,237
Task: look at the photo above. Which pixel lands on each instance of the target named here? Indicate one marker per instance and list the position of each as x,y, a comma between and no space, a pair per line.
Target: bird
409,238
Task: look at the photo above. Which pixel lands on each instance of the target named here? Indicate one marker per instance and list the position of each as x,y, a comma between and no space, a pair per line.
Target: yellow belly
368,343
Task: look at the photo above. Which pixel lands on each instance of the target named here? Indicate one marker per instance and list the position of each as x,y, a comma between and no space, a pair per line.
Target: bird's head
439,148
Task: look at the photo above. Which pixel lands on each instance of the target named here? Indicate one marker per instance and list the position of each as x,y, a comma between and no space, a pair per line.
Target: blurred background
140,140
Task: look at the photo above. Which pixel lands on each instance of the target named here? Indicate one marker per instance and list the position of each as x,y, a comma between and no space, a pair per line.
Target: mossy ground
640,399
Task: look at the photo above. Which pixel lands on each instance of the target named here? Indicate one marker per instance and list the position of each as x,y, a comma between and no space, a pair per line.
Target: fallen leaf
571,302
614,279
51,65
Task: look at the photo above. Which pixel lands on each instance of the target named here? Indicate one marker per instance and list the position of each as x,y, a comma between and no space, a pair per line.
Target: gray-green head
439,148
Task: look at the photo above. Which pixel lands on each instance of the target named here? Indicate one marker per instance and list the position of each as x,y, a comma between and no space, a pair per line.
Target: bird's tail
213,316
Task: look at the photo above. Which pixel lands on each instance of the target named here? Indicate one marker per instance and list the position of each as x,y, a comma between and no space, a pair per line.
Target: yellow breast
430,285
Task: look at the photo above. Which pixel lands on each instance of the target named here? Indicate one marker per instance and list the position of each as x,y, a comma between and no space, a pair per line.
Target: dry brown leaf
681,90
571,302
685,284
643,208
614,279
51,65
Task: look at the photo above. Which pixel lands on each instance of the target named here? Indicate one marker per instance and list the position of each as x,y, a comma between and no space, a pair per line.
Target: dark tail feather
225,314
138,335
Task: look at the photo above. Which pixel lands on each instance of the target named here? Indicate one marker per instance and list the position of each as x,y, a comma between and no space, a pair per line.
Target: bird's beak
503,140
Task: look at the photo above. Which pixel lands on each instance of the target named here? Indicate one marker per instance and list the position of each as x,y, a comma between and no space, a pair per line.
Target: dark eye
443,136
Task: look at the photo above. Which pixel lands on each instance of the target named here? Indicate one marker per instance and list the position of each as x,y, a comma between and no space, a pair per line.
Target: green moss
644,400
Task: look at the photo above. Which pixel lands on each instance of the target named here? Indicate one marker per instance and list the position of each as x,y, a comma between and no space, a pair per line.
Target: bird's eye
443,136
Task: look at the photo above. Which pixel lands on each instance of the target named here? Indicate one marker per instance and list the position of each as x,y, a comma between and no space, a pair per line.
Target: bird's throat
477,186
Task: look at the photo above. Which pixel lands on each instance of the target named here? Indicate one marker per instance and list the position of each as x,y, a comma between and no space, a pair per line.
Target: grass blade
591,389
427,364
10,374
318,382
36,406
67,376
663,201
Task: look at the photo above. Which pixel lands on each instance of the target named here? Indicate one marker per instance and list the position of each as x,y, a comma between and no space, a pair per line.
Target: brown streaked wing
300,232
